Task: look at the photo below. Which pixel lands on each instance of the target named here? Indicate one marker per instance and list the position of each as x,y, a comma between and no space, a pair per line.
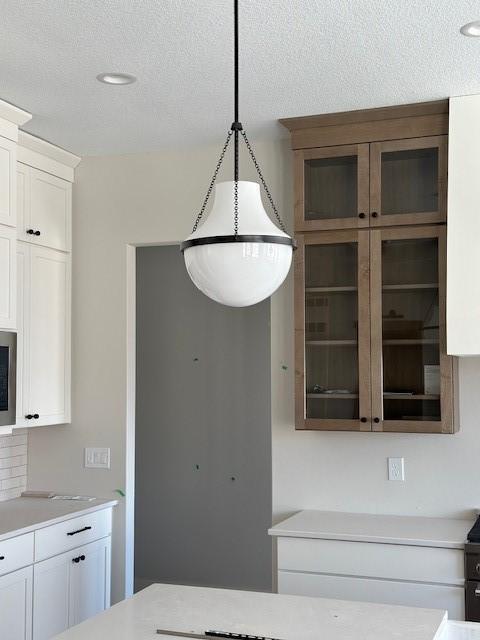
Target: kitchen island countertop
195,609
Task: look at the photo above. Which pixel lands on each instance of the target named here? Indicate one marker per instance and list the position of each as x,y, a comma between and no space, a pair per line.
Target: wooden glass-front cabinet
377,184
370,271
370,331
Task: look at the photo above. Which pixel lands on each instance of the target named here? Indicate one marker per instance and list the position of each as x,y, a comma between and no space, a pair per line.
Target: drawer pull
73,533
78,558
2,557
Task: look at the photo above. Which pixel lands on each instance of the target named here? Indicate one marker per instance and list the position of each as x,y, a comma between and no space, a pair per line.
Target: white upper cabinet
8,161
8,269
44,208
43,371
463,256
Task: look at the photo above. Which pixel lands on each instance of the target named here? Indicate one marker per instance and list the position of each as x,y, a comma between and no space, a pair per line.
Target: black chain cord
212,182
262,180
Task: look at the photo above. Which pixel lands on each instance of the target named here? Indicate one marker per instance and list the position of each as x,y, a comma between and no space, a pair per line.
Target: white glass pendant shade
237,273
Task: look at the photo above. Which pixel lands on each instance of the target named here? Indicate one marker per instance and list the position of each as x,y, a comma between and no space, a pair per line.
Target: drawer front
63,536
367,559
16,553
409,594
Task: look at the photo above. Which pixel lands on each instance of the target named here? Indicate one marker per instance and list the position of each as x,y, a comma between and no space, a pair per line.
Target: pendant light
237,256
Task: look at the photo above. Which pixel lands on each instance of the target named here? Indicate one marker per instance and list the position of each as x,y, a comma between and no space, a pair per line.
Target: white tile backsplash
13,465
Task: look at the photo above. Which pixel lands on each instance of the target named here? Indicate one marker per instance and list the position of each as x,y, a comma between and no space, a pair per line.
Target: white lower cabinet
70,588
43,362
16,605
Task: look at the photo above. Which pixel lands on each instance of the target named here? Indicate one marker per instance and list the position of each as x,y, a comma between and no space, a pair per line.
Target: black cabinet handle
363,419
82,557
361,215
78,558
73,533
374,214
28,416
2,557
36,416
376,420
30,232
37,233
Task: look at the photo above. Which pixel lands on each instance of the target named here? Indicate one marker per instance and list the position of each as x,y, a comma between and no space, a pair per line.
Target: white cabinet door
48,356
8,279
23,256
23,199
16,605
8,192
51,596
90,581
48,220
70,588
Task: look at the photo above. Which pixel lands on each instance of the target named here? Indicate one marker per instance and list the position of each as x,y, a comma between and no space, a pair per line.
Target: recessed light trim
471,29
116,78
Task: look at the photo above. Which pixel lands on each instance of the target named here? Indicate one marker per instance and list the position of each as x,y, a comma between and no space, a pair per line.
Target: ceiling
298,57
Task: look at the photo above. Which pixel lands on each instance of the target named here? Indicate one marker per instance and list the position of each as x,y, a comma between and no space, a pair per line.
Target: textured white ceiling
298,57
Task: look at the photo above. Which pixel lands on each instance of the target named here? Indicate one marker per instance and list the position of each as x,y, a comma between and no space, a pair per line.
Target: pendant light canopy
237,256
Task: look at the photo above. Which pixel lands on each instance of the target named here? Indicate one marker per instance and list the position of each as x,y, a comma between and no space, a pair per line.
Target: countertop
22,515
361,527
195,609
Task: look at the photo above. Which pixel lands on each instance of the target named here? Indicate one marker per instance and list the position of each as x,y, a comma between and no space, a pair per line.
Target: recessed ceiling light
116,78
472,29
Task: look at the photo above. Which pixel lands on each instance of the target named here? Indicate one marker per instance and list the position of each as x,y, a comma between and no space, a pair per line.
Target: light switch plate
97,457
396,469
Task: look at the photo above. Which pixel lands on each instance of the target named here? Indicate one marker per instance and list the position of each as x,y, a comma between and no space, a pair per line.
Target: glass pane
409,181
3,378
331,331
410,323
331,188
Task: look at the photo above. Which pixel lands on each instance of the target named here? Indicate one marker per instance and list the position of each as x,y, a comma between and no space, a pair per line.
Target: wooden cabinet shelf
410,342
406,287
330,289
332,396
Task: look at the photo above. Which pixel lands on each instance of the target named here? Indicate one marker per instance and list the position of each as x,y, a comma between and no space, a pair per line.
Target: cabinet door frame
24,575
9,280
428,217
447,424
361,237
363,204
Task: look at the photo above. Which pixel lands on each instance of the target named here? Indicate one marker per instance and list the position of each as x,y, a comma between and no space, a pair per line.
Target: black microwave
8,374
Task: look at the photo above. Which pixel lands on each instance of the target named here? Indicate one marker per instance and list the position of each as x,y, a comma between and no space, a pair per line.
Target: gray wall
203,436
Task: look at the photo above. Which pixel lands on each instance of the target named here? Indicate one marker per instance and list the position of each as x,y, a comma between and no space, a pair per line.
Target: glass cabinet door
332,188
408,181
332,331
411,373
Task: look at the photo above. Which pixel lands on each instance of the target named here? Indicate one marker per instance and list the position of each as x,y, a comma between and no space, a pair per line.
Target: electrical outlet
396,469
97,458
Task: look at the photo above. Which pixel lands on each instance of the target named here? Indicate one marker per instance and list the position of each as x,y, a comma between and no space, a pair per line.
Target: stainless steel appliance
472,583
8,374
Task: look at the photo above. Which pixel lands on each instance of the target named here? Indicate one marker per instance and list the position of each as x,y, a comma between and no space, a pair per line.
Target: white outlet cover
97,458
396,469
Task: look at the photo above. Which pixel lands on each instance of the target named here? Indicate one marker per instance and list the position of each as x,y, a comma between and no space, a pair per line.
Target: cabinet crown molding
34,143
14,114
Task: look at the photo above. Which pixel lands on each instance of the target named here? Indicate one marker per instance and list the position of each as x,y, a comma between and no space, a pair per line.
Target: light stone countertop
195,609
22,515
447,533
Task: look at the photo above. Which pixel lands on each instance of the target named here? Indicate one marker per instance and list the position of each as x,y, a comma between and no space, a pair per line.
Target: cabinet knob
361,215
28,416
376,420
37,233
2,557
374,214
36,416
363,419
30,232
82,557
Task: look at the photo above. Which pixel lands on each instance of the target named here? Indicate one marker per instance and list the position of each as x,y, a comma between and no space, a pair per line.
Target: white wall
153,198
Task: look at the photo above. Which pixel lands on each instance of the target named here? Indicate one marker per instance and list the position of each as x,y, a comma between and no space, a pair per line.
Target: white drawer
16,553
409,594
78,531
368,559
